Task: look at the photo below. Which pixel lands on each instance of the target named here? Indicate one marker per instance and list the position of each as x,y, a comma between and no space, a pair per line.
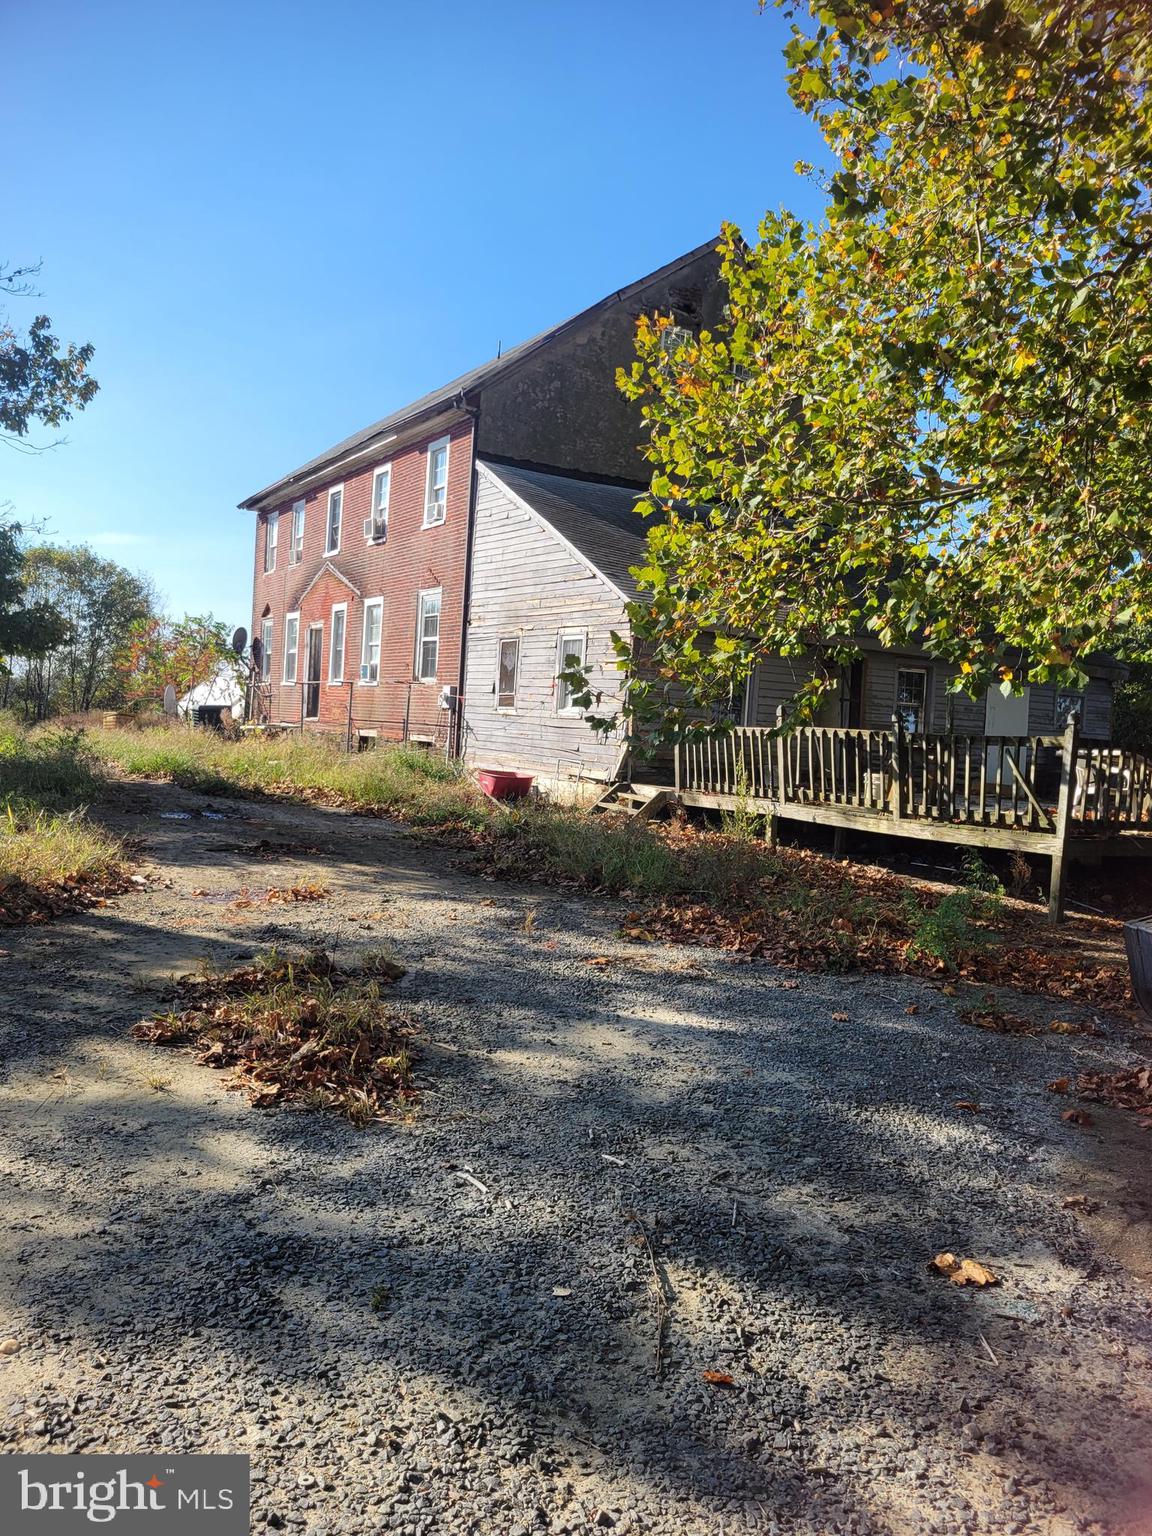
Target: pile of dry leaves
1128,1089
297,1029
21,902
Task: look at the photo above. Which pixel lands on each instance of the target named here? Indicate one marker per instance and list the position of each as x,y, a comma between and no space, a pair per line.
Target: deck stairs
640,801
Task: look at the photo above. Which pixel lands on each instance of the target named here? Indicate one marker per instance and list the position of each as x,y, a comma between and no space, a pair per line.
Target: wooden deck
1053,795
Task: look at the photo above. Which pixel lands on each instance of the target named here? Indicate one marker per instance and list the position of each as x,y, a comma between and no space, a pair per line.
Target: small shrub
944,932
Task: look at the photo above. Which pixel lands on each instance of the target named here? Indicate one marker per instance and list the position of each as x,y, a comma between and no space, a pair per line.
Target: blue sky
277,222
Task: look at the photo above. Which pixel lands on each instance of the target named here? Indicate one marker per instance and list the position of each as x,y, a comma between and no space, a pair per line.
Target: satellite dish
169,700
239,640
257,651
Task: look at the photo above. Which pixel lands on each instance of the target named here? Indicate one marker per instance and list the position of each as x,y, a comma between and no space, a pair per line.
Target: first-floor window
336,648
569,653
911,697
370,648
267,628
335,518
271,535
428,636
291,645
1067,704
296,553
507,673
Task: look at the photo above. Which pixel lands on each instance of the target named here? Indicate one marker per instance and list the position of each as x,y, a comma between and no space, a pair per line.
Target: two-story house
363,555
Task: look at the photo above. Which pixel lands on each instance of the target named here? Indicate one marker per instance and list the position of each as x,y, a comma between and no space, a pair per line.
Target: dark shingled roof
597,518
467,383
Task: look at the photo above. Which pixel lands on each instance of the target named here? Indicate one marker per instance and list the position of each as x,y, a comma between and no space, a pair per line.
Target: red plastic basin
504,785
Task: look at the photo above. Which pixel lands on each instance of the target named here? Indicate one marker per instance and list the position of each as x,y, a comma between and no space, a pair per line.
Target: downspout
466,599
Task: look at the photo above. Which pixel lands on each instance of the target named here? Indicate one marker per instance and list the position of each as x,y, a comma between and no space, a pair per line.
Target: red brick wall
413,558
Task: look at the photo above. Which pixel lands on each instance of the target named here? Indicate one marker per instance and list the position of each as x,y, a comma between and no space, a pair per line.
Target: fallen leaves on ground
999,1022
299,1029
968,1104
1129,1089
1060,1085
21,902
964,1271
1077,1117
718,1378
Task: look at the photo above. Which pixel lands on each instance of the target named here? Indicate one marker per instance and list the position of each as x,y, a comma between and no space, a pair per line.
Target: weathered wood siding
778,678
528,585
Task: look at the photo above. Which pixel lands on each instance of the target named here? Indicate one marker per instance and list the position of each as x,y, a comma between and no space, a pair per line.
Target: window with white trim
335,518
569,653
291,645
436,490
271,535
337,634
507,673
267,630
427,635
370,643
912,697
296,552
1067,703
376,525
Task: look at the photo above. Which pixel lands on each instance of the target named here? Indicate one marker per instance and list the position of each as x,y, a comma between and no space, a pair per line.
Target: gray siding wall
779,677
527,585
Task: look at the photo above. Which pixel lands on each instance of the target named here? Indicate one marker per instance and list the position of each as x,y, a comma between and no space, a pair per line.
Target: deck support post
772,830
839,838
1059,871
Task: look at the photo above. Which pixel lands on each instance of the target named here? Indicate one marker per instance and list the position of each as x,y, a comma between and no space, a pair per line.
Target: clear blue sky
277,222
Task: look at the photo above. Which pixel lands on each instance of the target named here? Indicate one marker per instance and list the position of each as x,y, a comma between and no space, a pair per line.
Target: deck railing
1043,784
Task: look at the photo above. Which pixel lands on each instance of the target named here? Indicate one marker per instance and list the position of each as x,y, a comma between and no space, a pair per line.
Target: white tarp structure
223,689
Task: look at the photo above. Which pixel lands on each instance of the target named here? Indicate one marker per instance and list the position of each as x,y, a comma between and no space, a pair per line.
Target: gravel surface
688,1165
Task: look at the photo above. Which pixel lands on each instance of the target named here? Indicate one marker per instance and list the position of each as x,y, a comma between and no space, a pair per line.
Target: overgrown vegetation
418,786
51,856
299,1029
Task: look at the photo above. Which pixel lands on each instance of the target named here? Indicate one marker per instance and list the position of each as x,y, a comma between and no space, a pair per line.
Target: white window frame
376,529
267,637
564,640
421,640
371,682
507,709
291,652
925,704
271,540
342,610
431,507
329,547
296,546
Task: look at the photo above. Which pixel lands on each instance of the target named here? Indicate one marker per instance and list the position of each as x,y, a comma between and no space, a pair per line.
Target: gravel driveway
676,1164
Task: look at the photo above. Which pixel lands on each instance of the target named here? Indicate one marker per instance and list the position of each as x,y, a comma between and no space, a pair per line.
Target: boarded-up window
507,674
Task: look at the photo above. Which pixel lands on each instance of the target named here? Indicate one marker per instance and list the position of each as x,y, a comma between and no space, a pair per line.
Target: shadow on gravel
792,1173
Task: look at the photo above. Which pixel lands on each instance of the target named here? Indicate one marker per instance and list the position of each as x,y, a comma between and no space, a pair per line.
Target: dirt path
182,1272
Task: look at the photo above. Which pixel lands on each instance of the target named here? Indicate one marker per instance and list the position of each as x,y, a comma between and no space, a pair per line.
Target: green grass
46,841
418,786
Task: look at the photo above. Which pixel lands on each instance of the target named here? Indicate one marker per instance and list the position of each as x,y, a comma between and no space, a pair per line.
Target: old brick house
362,555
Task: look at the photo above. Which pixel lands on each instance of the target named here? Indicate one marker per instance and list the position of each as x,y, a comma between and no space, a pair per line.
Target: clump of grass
419,786
295,1028
50,853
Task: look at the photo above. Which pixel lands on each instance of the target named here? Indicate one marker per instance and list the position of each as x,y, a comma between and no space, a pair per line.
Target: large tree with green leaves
99,602
929,415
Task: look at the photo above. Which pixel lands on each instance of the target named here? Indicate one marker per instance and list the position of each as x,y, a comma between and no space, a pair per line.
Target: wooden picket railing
1048,784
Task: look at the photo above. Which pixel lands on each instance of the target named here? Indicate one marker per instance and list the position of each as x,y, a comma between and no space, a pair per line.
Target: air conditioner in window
369,672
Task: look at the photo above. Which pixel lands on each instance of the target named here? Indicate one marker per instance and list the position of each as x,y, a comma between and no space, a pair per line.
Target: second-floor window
267,629
271,535
436,492
370,646
427,635
291,645
296,553
376,525
335,518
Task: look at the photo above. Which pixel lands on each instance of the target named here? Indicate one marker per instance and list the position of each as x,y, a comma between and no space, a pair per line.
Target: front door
312,671
1005,715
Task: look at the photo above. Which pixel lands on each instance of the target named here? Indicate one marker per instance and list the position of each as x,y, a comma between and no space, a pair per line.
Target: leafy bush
945,932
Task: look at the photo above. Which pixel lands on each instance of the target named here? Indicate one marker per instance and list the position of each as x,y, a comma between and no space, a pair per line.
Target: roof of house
468,383
597,518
